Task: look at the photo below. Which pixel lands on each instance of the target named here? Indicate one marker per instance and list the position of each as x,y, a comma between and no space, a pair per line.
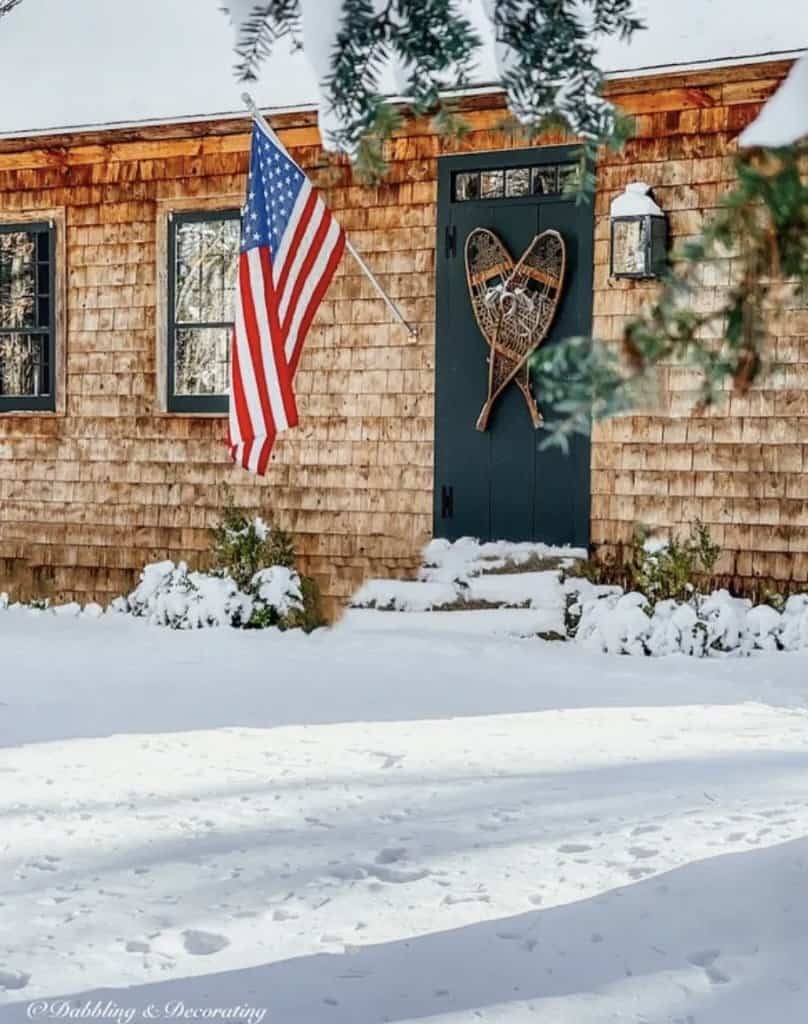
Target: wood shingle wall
742,467
91,493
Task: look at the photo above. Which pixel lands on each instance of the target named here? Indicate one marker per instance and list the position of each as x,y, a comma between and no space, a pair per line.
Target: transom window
203,255
27,317
513,182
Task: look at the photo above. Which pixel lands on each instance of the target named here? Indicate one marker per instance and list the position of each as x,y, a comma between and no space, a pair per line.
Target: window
544,179
27,317
203,249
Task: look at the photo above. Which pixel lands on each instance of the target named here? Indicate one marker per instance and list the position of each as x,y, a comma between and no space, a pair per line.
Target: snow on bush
170,595
718,624
278,587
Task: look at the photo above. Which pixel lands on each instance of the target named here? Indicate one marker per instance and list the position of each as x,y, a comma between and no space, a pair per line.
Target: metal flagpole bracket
249,103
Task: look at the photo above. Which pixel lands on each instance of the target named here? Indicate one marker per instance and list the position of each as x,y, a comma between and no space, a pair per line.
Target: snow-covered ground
384,822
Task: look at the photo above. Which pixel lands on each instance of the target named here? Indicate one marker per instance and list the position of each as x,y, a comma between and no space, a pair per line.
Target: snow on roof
784,118
80,63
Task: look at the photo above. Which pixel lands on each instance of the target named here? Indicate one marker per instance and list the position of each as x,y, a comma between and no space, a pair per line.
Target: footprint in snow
12,980
574,848
46,863
347,872
398,875
199,943
642,852
391,854
640,872
137,946
705,958
284,915
451,901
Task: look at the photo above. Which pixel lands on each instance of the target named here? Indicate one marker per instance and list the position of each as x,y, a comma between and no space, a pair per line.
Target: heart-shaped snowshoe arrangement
514,305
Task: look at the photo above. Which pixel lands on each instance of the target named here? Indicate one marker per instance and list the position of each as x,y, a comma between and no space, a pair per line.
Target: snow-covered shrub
277,597
253,583
714,625
170,595
794,628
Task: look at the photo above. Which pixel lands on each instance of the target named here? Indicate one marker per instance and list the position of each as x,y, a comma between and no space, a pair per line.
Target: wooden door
500,484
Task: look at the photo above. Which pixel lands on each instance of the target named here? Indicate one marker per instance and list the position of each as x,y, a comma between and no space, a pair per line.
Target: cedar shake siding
111,480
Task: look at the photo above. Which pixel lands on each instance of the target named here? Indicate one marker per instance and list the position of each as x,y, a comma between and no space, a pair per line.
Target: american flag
290,248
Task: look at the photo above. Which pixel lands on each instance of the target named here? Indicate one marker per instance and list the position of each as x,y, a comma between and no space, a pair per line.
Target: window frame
38,403
189,404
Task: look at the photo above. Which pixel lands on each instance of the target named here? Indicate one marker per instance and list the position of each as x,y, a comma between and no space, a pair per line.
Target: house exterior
112,434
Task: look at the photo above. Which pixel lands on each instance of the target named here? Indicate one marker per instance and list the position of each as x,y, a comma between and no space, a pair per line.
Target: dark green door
499,484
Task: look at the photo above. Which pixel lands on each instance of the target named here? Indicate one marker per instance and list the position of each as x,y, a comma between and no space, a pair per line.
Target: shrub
261,560
243,546
660,570
253,583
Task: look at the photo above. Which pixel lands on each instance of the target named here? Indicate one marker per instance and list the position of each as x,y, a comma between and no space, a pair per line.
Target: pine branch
7,6
551,73
264,25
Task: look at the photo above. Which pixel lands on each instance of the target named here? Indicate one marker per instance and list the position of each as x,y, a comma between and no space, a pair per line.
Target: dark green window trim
44,321
189,403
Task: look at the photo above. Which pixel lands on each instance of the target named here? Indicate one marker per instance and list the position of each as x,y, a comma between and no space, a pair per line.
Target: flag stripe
311,261
238,403
294,337
261,341
316,299
292,240
246,380
276,341
262,410
316,215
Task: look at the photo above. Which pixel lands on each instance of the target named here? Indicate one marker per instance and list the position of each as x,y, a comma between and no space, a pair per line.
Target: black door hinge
450,241
446,502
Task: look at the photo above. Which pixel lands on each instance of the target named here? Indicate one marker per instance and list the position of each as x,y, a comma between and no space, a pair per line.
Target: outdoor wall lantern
639,242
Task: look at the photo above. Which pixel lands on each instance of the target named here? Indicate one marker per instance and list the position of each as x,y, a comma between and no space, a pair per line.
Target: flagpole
249,103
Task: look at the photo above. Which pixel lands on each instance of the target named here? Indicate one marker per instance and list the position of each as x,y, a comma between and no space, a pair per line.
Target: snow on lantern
639,241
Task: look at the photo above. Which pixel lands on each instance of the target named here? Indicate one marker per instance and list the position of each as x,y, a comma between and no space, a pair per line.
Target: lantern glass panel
629,246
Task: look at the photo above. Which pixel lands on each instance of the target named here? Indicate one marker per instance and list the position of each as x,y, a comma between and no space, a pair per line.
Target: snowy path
380,824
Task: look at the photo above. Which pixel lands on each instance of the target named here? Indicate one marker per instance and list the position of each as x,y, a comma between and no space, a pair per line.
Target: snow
446,561
784,118
387,822
93,54
635,201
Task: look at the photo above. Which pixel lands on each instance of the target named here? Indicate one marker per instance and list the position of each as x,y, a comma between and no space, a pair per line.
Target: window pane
545,180
24,370
517,182
201,360
467,186
206,269
17,279
492,184
568,177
